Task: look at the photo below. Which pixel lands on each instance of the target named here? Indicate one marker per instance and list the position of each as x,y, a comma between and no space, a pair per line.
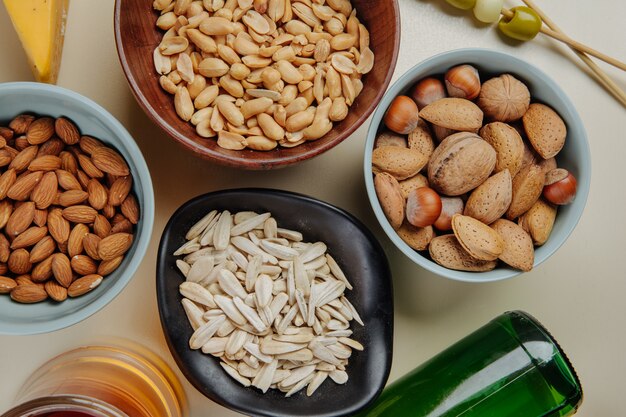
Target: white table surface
578,293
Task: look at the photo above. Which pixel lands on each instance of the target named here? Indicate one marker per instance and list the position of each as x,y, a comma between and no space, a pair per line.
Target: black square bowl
360,256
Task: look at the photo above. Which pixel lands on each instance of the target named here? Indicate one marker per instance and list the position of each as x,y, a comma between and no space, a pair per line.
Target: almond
6,134
67,131
98,195
460,163
45,163
410,184
107,267
43,270
68,162
508,144
454,113
20,219
40,130
123,226
20,144
75,241
28,294
72,197
19,262
21,123
5,157
5,248
45,192
43,249
538,221
23,186
24,158
490,200
518,246
84,285
29,237
90,244
41,217
478,239
6,285
119,190
114,245
83,265
80,214
4,269
52,147
390,197
61,269
108,160
402,163
527,188
68,181
448,252
417,238
108,211
6,208
58,226
83,179
89,168
7,179
130,209
545,129
101,226
88,144
56,291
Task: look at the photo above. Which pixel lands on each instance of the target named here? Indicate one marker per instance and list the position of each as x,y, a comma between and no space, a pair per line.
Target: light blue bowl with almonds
574,157
93,120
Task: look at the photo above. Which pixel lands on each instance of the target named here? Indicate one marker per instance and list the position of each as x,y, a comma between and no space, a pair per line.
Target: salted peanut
256,61
228,54
270,127
206,97
296,106
285,53
280,115
201,115
230,112
269,51
288,72
333,83
339,110
261,143
196,86
253,107
232,141
183,104
244,45
173,45
213,67
270,76
216,26
300,120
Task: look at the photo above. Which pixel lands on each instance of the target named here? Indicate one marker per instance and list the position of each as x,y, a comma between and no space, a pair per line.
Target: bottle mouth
81,405
541,328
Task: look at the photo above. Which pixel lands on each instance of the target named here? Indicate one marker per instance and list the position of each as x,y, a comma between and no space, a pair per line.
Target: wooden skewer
574,44
602,77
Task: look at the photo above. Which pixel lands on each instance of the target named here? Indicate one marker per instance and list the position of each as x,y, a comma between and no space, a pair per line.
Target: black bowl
359,255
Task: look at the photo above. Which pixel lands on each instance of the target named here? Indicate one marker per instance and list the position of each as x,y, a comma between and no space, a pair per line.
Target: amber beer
101,381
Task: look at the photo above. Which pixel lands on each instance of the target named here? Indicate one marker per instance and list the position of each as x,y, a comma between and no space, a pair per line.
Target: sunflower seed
183,267
193,312
263,290
230,284
340,377
251,315
215,345
235,375
264,378
196,292
289,234
255,350
222,231
299,386
250,224
188,247
279,251
205,332
228,307
318,379
200,269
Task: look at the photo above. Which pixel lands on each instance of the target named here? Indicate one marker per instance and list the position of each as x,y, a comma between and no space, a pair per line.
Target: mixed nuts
258,74
269,305
67,211
489,189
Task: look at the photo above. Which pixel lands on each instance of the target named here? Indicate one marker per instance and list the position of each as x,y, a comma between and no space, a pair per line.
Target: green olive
462,4
523,26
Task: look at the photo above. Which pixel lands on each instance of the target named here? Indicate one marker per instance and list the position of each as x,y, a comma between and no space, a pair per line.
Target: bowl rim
238,161
345,215
147,209
459,56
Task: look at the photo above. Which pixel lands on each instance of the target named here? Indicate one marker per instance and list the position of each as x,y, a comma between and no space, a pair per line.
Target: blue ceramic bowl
93,120
575,155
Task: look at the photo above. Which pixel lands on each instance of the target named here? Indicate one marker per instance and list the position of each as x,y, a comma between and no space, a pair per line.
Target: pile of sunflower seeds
269,305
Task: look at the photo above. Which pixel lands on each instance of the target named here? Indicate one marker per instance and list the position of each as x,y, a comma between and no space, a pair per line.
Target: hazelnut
402,117
426,91
560,187
504,98
423,207
463,81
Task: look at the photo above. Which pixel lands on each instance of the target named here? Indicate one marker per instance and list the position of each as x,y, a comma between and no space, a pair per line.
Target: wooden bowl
136,36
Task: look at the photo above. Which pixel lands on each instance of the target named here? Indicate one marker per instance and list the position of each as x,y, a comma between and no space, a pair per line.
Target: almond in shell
454,113
390,197
402,163
538,221
421,139
418,238
545,129
28,294
460,163
490,200
389,138
519,251
508,144
109,161
84,284
114,245
448,252
527,188
478,239
410,184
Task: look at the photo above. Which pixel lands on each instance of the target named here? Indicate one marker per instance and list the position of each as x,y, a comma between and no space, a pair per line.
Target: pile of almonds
261,73
269,305
472,193
66,210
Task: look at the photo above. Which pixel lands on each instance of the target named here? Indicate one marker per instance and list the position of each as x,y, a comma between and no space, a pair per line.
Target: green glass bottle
511,367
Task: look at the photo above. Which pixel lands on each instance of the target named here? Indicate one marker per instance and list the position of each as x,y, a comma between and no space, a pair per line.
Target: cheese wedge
40,25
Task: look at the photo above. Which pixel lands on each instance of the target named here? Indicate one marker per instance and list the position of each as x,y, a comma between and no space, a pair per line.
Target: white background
578,293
